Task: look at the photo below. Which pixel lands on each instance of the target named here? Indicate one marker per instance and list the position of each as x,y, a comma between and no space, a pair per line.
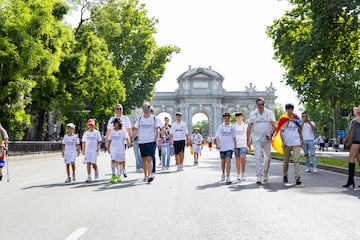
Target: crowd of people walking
260,131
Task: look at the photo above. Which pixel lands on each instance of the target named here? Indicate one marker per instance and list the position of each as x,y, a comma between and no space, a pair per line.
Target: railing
17,148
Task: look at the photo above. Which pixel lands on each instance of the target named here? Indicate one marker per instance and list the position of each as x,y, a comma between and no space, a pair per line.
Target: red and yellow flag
277,142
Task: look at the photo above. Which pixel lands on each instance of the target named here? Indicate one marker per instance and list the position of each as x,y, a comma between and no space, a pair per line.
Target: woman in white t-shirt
226,143
116,148
241,142
70,150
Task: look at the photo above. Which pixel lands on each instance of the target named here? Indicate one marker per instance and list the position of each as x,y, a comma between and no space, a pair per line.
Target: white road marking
77,233
32,181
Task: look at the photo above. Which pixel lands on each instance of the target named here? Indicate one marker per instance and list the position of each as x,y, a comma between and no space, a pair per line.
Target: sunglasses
118,108
260,104
146,107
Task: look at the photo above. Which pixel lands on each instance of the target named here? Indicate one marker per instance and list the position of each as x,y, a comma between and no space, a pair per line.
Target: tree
128,33
31,45
89,80
317,42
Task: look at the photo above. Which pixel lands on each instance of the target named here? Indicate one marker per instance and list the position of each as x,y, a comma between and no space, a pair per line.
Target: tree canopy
47,66
317,42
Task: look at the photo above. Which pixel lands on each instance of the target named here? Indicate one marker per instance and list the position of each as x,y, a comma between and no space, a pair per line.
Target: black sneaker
150,179
125,174
285,180
0,178
298,182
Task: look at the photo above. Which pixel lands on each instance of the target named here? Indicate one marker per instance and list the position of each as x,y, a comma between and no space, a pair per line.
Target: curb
325,167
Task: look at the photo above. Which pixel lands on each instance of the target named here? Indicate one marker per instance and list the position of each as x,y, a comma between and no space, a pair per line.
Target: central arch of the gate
201,90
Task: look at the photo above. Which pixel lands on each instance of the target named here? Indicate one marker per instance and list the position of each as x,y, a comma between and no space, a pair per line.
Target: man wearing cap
126,125
70,150
179,137
196,141
146,128
226,144
91,143
261,128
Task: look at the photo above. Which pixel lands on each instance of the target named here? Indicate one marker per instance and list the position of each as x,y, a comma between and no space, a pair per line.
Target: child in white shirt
116,148
70,150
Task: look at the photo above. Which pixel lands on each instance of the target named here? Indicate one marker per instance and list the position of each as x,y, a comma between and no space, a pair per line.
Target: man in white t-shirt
308,132
179,136
146,128
126,125
292,139
261,127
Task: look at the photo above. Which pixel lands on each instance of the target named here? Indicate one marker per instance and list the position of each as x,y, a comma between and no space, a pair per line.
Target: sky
228,35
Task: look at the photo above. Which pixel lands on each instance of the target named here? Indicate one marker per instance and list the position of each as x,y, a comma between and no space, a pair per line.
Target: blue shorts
226,154
240,151
147,149
2,163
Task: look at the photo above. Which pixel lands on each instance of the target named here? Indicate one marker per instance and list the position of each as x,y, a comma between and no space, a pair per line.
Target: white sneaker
96,174
145,179
265,178
181,167
178,168
258,181
242,175
315,170
308,170
73,178
88,179
223,177
228,180
68,180
238,177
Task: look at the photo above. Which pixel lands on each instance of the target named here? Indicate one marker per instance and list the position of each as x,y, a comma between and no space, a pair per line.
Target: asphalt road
193,204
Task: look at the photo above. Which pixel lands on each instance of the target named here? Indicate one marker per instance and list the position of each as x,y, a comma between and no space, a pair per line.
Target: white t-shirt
179,131
241,138
290,134
70,143
226,134
307,131
261,124
91,139
124,120
196,138
147,128
117,138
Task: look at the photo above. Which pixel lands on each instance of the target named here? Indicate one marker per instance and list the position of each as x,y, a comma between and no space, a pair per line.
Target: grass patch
320,160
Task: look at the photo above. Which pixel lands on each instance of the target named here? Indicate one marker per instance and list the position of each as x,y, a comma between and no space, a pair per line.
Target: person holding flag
291,140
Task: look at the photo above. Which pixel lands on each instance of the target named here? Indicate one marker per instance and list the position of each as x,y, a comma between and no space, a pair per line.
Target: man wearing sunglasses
126,125
260,130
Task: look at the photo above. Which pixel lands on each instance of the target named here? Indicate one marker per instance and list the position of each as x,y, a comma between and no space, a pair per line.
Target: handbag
172,150
349,136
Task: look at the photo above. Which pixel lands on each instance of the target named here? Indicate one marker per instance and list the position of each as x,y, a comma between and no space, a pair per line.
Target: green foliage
47,67
128,33
317,42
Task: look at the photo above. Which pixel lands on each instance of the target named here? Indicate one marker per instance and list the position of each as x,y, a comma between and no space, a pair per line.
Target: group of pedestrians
147,132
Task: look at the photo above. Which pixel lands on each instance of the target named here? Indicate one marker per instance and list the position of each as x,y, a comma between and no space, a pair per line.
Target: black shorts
147,149
179,146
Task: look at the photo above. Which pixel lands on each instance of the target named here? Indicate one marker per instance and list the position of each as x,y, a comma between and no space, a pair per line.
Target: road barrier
18,148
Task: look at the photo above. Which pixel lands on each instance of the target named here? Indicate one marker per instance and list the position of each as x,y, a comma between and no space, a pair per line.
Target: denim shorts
240,151
226,154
